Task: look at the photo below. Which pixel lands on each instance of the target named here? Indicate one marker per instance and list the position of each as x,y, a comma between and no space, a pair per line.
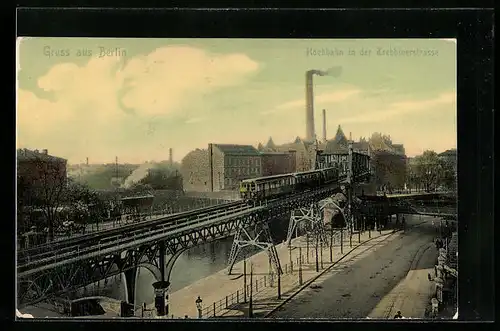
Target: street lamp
199,306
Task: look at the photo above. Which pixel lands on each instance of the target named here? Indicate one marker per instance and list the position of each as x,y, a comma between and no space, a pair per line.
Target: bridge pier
130,280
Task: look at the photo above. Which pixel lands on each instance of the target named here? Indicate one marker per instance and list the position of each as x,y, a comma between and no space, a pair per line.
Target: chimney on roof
45,151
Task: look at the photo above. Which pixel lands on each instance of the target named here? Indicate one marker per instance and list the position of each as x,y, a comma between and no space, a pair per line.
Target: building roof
24,154
361,145
264,153
449,152
237,149
270,143
340,137
333,147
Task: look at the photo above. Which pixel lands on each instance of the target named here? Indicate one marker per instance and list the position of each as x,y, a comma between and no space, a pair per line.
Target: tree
163,178
431,171
41,185
45,195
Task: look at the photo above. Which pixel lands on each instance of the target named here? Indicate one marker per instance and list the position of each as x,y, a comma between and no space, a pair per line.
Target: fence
239,297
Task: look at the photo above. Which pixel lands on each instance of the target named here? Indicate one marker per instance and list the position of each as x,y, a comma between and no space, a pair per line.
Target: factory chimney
170,156
211,169
333,72
324,125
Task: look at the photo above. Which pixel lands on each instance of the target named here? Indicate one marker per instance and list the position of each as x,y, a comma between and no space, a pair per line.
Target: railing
235,298
50,248
124,241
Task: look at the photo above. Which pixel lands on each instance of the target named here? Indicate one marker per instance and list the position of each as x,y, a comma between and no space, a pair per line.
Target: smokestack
87,161
324,125
309,106
211,162
170,156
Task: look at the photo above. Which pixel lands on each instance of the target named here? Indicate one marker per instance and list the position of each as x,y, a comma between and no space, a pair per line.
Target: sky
136,98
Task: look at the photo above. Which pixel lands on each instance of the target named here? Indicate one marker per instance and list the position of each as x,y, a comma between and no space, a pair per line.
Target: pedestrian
398,315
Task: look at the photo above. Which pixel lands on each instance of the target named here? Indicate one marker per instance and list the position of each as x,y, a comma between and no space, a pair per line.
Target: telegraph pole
300,265
331,243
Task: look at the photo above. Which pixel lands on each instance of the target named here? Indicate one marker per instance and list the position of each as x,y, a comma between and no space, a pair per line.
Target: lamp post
199,306
359,229
250,305
317,257
245,279
307,247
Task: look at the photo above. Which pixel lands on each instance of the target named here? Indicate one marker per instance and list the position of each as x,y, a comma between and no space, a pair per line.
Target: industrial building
230,164
276,163
221,167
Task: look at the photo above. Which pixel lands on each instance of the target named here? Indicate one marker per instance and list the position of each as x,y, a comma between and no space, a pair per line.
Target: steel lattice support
312,216
260,237
38,281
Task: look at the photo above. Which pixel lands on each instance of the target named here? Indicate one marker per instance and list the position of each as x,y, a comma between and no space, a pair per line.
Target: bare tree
41,185
43,188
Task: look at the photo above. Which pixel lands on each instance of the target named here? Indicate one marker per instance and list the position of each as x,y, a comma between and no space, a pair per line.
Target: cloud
162,80
94,104
400,108
326,98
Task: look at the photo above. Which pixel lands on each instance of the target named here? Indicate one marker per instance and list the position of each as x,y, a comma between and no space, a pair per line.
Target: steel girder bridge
56,273
438,204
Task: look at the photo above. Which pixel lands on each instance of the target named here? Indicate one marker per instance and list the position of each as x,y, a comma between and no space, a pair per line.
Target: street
365,288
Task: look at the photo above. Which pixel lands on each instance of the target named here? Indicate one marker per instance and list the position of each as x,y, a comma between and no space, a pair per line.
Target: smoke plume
137,175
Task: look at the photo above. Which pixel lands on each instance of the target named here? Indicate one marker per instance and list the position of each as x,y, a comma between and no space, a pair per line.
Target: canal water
194,264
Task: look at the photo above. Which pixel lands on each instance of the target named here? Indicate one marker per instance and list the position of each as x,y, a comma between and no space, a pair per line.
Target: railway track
126,240
112,247
117,240
81,242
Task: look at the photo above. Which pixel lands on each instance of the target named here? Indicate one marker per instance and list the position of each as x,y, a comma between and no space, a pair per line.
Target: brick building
195,171
221,167
276,163
35,168
230,164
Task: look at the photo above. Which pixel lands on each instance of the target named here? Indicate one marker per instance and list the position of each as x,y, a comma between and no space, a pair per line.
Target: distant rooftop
237,149
449,152
24,154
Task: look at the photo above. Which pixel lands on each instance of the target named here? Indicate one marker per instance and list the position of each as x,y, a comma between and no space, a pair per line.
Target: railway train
262,188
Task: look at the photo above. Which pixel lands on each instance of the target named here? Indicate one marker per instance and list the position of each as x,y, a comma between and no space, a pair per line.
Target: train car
261,188
330,175
307,179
